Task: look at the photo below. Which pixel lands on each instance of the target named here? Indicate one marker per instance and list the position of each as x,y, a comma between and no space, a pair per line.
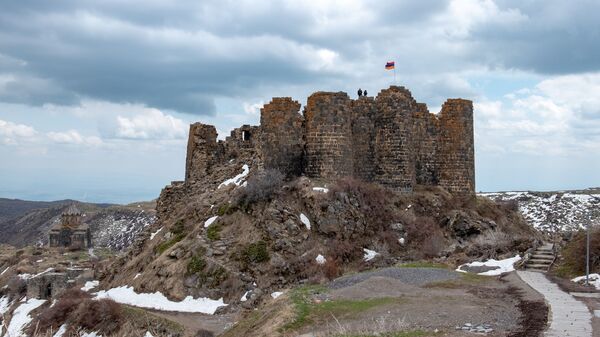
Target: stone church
70,232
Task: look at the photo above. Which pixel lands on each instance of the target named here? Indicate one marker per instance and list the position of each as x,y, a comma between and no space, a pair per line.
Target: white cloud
253,108
151,124
558,116
10,132
74,137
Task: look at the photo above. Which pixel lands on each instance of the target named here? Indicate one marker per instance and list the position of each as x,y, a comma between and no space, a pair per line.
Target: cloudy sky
96,96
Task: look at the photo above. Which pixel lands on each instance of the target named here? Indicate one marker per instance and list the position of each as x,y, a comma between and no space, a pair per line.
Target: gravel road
413,276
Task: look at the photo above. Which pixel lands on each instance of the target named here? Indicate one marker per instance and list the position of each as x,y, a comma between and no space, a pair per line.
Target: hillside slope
560,211
112,226
238,231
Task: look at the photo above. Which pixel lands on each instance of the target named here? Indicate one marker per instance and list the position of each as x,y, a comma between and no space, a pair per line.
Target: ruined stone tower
390,139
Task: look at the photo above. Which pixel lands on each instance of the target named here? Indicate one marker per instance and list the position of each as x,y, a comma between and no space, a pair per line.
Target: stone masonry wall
282,144
328,136
394,142
457,154
202,151
390,139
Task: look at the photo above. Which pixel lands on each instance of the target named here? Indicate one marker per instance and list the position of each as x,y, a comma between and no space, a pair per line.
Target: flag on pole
390,65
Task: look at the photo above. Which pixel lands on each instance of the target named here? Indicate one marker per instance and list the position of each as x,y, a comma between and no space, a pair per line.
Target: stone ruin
390,139
70,232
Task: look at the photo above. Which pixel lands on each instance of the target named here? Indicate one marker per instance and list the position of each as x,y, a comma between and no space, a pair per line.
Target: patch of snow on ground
158,301
321,189
91,334
369,254
61,331
4,271
594,280
402,241
320,259
152,235
210,221
4,305
137,275
245,297
276,294
503,266
305,220
237,180
89,285
21,317
148,334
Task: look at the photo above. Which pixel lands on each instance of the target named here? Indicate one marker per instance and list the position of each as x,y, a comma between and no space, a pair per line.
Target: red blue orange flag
390,65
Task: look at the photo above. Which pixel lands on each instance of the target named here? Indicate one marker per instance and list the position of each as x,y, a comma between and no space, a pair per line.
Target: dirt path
194,322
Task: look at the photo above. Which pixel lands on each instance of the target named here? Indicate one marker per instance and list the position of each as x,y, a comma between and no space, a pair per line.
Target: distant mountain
555,211
25,222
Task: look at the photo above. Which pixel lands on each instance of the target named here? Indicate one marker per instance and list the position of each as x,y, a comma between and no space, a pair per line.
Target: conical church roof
72,210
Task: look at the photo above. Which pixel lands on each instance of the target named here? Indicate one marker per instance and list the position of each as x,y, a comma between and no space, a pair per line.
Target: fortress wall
328,133
426,135
457,154
201,151
394,143
281,144
244,139
363,137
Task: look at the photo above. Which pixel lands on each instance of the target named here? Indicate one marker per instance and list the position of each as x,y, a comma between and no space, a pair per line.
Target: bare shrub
204,333
53,317
104,316
374,201
260,187
433,245
16,287
345,250
331,269
573,254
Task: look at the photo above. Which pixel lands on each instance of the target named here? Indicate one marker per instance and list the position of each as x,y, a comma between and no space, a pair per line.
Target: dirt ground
440,306
194,322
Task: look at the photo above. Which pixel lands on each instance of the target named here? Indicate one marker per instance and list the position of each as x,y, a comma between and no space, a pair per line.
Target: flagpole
395,74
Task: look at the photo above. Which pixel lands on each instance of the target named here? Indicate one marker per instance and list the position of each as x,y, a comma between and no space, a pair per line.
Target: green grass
213,232
307,311
412,333
422,264
161,248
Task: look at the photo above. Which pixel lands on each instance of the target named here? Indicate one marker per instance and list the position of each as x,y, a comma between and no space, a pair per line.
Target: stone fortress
390,139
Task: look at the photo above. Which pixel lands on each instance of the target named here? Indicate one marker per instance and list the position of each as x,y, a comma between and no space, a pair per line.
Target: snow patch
4,271
137,275
158,301
594,280
245,297
4,305
276,294
369,254
89,285
210,221
90,334
21,317
148,334
320,259
61,331
152,235
305,220
321,189
402,241
237,180
502,266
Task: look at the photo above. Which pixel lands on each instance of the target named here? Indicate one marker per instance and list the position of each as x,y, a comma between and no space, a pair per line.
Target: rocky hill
113,226
558,211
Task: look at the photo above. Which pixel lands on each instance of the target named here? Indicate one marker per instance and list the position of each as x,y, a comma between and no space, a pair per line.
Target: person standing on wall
360,92
365,93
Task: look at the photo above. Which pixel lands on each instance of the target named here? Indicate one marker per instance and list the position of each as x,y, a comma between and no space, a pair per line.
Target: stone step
542,256
539,261
536,266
